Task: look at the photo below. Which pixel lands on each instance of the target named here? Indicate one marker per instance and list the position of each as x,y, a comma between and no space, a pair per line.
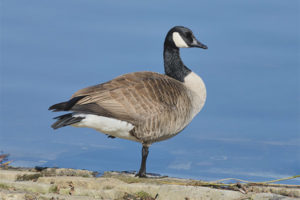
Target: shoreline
63,183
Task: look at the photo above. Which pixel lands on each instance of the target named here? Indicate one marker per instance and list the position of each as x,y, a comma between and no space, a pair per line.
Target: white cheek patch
179,42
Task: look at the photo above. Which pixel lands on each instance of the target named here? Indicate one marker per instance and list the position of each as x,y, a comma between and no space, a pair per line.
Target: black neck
174,66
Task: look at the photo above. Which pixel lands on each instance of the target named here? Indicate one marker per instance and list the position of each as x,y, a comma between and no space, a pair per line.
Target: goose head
182,37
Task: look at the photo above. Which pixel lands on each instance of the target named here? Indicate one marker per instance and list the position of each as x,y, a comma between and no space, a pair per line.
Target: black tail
65,106
66,120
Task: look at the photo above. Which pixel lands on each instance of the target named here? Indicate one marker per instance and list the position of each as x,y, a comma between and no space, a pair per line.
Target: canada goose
146,107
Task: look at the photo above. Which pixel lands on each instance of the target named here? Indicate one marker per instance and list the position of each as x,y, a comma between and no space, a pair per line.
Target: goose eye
189,37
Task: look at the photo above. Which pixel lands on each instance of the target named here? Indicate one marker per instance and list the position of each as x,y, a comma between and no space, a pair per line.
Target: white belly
111,126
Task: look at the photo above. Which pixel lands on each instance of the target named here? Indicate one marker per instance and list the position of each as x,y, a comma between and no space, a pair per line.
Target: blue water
248,129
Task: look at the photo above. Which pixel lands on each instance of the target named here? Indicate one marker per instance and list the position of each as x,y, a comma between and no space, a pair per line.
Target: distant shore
71,184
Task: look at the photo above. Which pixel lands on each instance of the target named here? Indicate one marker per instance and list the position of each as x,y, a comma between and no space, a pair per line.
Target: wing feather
133,97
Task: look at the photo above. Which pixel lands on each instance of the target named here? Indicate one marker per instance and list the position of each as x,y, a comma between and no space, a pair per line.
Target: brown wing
132,97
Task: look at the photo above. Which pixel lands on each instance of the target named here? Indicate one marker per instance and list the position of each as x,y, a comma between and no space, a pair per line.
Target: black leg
142,172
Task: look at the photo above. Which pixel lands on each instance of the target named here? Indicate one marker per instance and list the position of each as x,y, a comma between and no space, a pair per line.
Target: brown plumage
147,100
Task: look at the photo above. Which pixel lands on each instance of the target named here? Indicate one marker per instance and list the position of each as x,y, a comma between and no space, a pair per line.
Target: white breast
111,126
197,93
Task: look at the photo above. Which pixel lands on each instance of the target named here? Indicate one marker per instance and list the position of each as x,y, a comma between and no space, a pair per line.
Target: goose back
156,105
